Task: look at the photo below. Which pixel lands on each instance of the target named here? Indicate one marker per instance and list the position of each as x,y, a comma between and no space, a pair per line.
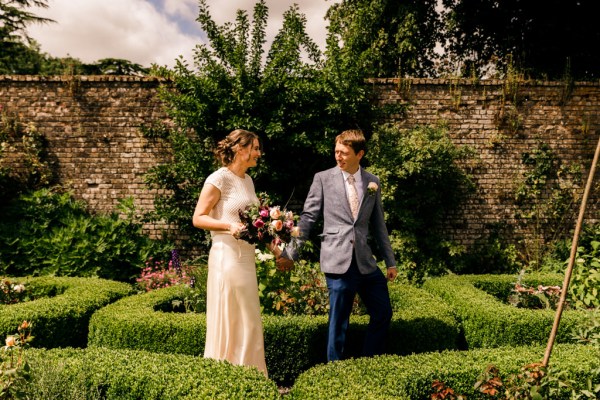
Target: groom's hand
392,273
284,264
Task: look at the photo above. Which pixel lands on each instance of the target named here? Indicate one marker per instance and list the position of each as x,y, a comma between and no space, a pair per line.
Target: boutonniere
372,188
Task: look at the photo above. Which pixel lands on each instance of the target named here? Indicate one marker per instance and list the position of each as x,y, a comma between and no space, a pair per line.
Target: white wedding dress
234,329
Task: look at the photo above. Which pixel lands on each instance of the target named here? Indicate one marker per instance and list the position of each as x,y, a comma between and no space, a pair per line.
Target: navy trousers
373,291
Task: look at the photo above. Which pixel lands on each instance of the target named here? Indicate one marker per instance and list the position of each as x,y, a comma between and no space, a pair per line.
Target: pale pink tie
353,196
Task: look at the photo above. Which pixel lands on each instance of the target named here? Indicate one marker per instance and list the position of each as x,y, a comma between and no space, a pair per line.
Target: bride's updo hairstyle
237,139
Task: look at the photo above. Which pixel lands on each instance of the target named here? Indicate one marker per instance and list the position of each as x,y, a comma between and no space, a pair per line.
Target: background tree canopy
291,98
549,39
545,39
387,38
19,54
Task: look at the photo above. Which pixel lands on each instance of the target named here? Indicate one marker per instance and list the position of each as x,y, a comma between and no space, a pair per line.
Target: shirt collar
357,175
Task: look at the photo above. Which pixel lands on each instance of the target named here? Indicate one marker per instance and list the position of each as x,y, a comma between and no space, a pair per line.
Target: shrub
299,291
411,377
421,181
292,343
125,374
480,303
61,308
49,233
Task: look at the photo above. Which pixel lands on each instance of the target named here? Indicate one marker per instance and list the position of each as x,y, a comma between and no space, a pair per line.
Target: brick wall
502,120
92,125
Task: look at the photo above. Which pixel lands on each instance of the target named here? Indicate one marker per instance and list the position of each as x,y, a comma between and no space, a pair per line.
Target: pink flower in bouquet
289,224
264,212
259,223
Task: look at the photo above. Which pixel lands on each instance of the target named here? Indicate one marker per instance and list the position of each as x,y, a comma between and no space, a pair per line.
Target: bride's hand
273,248
236,228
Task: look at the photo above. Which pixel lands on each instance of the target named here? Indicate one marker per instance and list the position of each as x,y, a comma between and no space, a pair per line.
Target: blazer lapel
365,183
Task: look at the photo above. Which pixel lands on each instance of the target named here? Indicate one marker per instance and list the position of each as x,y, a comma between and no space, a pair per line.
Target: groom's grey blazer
341,233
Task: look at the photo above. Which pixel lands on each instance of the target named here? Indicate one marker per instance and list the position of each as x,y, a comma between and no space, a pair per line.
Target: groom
348,198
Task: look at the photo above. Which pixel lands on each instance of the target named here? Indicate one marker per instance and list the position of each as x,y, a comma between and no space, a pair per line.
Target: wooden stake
565,287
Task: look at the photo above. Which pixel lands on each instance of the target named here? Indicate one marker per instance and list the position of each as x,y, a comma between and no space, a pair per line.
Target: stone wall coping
395,81
475,82
81,78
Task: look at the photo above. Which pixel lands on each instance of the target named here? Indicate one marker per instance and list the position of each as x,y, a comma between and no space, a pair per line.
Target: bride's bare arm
209,196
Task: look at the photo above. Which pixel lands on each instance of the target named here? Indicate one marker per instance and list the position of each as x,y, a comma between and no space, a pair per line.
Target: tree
286,97
387,38
19,54
114,66
544,39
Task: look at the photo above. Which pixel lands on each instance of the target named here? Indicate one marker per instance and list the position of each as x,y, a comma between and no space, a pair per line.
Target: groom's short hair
353,138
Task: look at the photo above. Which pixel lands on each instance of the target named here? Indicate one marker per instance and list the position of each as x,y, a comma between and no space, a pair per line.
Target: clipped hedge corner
61,309
488,321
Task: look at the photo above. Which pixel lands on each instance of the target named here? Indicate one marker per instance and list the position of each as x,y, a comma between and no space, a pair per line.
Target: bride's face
250,154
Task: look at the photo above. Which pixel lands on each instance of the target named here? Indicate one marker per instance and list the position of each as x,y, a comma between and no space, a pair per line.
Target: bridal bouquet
265,224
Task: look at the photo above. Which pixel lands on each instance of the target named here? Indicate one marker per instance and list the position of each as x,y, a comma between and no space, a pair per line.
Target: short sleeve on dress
215,179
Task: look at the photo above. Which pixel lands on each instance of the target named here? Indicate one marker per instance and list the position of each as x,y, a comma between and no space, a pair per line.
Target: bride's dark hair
226,148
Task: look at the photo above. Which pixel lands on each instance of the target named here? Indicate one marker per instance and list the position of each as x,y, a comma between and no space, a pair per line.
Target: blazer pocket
329,232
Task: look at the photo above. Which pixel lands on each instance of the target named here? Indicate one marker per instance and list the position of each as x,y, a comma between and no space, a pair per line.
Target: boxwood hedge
292,344
131,374
61,308
489,321
411,377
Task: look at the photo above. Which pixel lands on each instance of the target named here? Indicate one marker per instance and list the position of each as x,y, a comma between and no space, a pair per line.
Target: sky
150,31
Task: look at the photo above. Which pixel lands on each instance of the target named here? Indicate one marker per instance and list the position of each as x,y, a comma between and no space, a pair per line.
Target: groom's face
346,158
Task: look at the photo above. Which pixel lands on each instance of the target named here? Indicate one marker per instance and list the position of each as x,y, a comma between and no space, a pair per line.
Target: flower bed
61,309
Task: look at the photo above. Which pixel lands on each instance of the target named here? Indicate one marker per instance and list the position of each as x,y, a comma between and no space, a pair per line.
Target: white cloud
150,31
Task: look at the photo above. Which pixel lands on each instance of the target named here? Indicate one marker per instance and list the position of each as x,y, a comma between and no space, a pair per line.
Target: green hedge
411,377
488,321
61,309
292,344
130,374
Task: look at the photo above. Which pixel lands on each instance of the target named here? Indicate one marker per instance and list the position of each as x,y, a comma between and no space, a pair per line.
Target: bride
234,329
